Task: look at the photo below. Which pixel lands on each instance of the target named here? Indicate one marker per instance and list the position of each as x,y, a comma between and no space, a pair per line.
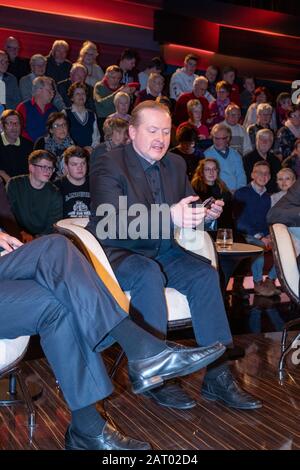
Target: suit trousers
48,288
146,279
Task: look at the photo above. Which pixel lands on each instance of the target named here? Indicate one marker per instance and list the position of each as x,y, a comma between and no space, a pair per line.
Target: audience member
211,74
83,122
155,65
187,139
38,68
57,139
194,108
18,66
247,95
293,161
251,205
283,106
154,88
127,64
35,111
36,203
9,89
88,57
231,165
14,149
263,152
121,103
264,114
78,73
58,66
182,80
285,179
229,76
198,93
115,134
74,186
288,134
261,95
217,107
239,138
207,183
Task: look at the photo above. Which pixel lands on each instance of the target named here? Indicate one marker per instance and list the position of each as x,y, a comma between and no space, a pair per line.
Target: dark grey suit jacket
120,173
287,209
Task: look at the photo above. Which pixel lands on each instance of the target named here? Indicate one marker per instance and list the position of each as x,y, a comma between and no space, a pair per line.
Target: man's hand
9,243
267,242
26,237
215,211
183,215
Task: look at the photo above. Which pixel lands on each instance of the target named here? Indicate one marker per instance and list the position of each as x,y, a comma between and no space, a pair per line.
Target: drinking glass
224,238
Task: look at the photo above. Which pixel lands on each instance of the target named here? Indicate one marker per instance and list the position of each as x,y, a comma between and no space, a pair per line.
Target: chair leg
116,364
12,384
27,399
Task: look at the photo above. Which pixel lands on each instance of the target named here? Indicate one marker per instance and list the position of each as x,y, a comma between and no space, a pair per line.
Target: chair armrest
199,242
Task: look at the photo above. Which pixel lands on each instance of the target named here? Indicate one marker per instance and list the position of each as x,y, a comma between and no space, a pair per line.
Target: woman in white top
87,56
285,179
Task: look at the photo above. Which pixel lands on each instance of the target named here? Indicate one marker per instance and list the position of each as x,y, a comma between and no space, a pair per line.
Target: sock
136,342
87,421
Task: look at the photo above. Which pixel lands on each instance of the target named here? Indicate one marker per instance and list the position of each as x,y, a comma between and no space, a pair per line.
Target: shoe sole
212,397
158,380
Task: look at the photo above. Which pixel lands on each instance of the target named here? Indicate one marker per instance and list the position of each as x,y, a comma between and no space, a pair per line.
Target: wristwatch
259,236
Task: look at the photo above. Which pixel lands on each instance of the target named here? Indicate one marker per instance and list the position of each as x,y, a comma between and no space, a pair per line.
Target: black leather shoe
173,361
225,389
171,395
109,439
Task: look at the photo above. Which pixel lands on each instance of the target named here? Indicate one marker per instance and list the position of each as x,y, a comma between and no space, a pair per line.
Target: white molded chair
179,314
285,258
12,352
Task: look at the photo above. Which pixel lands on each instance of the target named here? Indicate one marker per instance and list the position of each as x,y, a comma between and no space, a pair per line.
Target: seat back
74,229
285,260
178,308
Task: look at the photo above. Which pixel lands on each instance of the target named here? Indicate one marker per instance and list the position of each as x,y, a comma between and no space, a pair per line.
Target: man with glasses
35,201
230,161
14,149
36,111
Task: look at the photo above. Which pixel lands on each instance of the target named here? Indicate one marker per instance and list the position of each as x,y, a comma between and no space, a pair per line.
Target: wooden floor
207,426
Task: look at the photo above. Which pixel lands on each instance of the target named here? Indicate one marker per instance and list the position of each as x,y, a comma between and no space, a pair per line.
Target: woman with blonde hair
88,56
207,183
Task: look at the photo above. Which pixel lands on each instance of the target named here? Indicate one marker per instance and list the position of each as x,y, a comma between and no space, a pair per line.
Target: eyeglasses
210,170
44,168
12,124
221,138
59,126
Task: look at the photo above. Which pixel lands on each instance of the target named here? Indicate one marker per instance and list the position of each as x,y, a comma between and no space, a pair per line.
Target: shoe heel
208,396
144,385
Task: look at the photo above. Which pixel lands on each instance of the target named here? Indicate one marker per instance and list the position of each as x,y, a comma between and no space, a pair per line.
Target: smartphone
208,202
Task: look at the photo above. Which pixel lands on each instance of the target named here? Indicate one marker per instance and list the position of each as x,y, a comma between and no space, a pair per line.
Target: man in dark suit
287,211
146,174
48,288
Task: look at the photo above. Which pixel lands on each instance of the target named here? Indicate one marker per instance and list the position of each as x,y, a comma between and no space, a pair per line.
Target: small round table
230,257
